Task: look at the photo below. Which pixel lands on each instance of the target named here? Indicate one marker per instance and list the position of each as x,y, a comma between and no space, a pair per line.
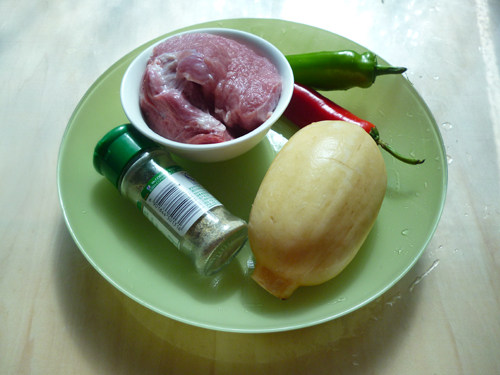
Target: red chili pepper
308,106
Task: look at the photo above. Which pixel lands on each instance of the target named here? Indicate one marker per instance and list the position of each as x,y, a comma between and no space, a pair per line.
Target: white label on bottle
178,199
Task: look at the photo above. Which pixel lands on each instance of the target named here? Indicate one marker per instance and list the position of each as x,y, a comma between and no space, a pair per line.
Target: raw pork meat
203,88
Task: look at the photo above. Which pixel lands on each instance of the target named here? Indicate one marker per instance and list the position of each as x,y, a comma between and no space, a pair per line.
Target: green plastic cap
116,149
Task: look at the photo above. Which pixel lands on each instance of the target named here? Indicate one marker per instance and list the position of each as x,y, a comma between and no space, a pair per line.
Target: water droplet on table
421,277
486,212
393,300
447,125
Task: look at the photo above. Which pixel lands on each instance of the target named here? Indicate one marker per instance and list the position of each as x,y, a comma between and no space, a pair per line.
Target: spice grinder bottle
185,212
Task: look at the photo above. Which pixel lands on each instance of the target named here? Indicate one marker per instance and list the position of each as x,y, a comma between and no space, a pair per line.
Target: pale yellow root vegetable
315,206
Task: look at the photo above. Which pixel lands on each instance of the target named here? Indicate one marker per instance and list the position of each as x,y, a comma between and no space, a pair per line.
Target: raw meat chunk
204,88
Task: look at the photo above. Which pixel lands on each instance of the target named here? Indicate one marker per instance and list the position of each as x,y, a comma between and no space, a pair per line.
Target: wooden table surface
59,316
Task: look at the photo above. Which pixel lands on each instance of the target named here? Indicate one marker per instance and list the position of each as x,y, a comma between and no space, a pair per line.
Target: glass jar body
190,217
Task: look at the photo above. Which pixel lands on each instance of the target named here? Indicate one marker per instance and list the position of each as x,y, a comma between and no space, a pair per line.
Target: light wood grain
59,316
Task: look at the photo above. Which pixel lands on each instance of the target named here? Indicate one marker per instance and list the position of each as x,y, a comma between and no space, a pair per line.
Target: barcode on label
176,199
177,207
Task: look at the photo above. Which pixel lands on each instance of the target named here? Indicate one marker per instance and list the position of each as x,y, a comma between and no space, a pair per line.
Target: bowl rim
255,42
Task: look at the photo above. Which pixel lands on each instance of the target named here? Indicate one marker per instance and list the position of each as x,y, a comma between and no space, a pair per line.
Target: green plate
132,255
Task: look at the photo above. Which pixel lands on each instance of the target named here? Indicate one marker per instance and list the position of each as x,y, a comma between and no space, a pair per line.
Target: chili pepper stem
402,158
382,70
376,137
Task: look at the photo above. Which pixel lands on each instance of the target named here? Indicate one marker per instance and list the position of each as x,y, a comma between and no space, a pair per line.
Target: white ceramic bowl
131,83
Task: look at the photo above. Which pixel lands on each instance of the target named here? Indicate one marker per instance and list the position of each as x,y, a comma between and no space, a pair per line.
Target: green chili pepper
338,70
